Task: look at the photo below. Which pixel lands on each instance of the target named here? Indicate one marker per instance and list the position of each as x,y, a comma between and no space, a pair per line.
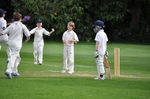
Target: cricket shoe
9,76
102,77
35,63
63,71
70,72
96,78
15,74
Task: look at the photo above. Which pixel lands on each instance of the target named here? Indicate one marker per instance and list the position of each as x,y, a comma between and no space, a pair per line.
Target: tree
126,20
54,13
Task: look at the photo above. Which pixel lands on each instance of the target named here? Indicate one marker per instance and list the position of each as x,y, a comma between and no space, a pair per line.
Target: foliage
125,19
54,13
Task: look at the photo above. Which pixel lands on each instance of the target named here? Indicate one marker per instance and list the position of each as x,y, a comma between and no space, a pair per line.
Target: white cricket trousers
4,38
14,60
69,58
38,52
4,41
100,65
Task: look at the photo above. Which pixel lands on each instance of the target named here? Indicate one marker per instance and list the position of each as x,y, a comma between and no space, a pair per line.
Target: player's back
15,34
16,31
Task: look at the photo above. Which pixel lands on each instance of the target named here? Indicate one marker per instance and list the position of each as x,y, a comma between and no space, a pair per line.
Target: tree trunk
135,15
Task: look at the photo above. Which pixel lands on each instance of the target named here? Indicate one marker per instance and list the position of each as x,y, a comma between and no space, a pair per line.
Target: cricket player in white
3,24
39,42
15,31
69,37
3,38
101,46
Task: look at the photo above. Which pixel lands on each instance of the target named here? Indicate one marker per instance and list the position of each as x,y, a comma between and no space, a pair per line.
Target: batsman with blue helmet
101,46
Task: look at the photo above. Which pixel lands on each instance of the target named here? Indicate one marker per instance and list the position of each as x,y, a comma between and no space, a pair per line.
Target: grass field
45,81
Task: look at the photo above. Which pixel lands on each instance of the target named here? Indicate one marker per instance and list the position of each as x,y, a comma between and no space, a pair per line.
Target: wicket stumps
116,61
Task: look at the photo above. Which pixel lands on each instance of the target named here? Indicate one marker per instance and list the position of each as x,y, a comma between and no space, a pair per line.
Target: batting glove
106,54
96,54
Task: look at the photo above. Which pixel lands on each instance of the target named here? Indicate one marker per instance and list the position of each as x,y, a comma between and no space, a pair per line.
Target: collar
1,17
39,28
69,30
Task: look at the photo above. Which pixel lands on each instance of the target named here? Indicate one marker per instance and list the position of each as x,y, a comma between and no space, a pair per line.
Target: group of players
13,34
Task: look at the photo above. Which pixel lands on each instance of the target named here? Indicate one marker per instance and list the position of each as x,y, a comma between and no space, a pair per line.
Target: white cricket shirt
38,34
101,37
3,24
70,35
15,31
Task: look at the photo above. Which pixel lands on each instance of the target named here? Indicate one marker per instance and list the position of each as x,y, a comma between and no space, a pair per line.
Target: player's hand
1,34
106,54
96,54
52,30
65,42
70,41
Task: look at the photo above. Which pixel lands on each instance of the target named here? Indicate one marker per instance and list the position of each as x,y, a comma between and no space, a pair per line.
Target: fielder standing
101,46
15,31
69,38
3,24
38,43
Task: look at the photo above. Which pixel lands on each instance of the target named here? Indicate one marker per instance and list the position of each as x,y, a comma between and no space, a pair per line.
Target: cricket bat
107,67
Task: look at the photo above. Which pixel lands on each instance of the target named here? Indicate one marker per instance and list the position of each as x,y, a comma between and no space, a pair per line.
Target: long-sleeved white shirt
38,34
16,31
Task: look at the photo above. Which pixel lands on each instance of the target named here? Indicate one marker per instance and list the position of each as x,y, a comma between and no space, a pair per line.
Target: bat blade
107,67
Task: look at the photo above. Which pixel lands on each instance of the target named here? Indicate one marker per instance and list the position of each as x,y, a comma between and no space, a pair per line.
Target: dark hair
17,16
39,21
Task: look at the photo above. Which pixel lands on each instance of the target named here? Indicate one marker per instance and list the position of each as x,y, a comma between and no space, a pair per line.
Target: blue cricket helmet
99,23
2,11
